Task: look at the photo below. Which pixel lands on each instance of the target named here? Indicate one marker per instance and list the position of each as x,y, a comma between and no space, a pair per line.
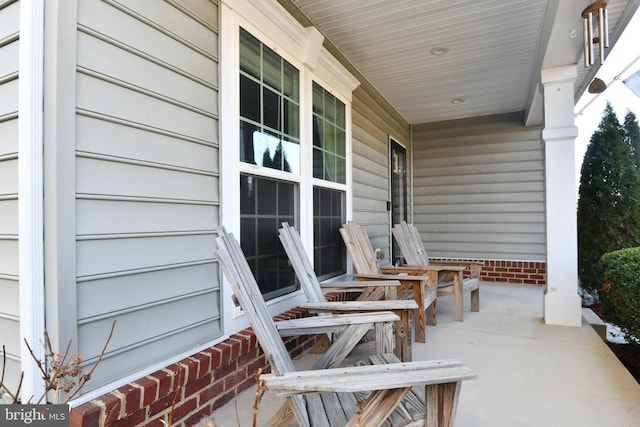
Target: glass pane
272,69
398,189
291,126
318,164
341,170
247,194
291,157
329,107
291,82
318,99
266,276
267,196
329,142
341,138
249,54
248,132
271,109
267,235
340,114
326,202
249,99
247,237
318,131
286,201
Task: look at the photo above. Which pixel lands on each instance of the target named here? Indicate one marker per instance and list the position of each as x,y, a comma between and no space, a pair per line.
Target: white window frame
302,47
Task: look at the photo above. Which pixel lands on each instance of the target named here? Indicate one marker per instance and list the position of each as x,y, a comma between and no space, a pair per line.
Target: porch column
562,305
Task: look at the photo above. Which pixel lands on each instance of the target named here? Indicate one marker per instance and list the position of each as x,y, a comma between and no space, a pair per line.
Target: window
269,137
292,147
329,164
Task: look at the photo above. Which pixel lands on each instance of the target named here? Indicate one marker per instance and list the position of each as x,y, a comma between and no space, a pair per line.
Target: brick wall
192,388
517,272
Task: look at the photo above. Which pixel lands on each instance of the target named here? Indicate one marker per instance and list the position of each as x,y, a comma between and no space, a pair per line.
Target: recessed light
457,100
437,51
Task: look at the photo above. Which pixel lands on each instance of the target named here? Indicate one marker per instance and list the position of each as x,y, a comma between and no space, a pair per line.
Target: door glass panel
398,189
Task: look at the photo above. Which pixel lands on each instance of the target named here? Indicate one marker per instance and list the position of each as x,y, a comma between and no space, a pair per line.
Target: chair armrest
419,269
369,377
441,261
360,306
331,322
356,285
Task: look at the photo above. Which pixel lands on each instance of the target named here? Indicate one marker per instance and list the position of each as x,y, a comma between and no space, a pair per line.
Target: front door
399,197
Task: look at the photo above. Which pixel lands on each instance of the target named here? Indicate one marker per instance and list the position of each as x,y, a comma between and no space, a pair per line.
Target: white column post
562,305
30,192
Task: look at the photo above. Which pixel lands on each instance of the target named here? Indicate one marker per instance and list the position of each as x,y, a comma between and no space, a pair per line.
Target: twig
175,397
260,389
3,388
83,380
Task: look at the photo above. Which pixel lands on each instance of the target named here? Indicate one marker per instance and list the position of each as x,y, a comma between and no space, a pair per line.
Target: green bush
620,293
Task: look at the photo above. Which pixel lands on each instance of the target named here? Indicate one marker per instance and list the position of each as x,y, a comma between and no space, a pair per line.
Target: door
399,197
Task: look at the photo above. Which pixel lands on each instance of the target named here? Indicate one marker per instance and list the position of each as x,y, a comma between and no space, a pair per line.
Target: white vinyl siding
372,126
9,290
479,189
147,189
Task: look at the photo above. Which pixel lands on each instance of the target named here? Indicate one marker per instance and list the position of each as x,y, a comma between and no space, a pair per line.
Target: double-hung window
269,137
329,172
293,132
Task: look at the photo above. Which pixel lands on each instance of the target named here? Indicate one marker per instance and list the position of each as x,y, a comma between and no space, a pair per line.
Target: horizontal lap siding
9,269
147,196
479,190
373,123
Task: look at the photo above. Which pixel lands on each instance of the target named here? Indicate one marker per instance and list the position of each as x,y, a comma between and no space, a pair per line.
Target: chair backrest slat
300,262
410,243
359,247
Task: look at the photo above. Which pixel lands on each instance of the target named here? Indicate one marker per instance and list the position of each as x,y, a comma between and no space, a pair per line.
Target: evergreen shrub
620,293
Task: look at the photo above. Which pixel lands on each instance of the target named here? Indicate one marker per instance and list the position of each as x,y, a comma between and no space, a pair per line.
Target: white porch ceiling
495,50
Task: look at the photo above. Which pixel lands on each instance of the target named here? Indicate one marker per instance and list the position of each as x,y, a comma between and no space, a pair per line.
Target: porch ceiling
495,50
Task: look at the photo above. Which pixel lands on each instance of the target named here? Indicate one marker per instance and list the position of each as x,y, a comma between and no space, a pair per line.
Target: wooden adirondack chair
317,302
348,329
418,283
414,253
379,389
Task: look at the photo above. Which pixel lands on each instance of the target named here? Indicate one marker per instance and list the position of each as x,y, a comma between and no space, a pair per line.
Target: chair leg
431,313
418,314
441,401
475,300
457,296
403,333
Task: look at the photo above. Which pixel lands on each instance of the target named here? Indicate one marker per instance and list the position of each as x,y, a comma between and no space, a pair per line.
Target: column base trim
562,310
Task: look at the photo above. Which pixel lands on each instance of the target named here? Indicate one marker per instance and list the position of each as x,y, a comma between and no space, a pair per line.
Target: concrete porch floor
529,373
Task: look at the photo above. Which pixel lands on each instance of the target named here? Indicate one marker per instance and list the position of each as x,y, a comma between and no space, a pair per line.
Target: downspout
31,193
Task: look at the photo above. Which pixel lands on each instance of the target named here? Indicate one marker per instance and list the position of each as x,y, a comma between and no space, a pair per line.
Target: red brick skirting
192,388
517,272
